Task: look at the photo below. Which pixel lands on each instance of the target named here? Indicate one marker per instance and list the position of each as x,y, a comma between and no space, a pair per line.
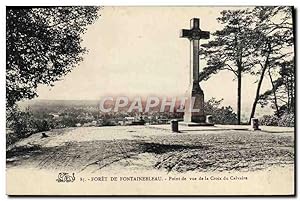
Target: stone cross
194,94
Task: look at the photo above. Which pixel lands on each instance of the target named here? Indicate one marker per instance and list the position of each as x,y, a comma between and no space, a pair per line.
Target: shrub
19,121
108,122
269,120
287,120
221,115
40,125
21,124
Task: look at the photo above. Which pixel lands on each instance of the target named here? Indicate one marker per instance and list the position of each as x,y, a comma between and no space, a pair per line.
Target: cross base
194,124
195,101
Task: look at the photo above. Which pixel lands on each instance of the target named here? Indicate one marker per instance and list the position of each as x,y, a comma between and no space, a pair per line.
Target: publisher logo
65,177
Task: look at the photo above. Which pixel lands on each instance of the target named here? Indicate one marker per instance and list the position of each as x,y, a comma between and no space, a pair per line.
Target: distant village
62,114
61,120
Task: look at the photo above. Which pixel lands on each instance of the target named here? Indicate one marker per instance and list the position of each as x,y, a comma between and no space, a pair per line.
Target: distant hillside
59,104
259,112
36,105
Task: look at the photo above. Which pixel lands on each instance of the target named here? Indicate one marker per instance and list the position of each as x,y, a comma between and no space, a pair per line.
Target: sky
137,51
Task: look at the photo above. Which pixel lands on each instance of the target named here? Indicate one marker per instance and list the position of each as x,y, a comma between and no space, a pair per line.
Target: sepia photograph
150,100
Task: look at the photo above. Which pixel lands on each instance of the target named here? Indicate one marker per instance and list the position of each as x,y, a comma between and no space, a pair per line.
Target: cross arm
185,33
205,34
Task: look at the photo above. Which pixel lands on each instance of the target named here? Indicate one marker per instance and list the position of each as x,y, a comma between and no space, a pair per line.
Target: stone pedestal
194,105
194,114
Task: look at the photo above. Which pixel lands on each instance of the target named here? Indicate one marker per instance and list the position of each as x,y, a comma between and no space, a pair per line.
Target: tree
42,45
275,36
230,48
282,93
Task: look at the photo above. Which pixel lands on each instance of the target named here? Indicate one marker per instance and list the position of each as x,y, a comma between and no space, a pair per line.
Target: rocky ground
94,149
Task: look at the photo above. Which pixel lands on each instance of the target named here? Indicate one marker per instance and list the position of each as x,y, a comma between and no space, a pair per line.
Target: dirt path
94,149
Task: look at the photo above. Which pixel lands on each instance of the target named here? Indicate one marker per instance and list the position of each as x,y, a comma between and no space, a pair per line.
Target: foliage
269,120
19,121
221,114
108,122
230,45
21,124
282,93
286,120
230,48
273,49
42,45
41,125
24,122
255,41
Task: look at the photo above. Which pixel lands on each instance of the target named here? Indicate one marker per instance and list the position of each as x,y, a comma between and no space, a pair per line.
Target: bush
40,125
286,120
108,122
21,124
221,115
68,121
269,120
